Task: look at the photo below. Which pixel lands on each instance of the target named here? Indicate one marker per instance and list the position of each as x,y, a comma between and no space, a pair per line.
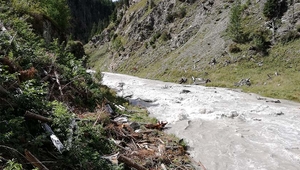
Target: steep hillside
89,17
167,40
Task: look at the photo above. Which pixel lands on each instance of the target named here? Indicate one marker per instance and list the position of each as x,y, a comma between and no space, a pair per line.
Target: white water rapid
226,129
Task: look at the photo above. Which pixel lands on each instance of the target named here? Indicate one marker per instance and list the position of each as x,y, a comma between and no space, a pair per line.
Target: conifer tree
235,29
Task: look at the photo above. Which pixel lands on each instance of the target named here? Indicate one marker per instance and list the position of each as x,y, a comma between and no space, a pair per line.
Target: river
225,129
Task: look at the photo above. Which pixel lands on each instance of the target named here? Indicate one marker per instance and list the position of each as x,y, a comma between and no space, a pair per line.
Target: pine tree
235,29
271,9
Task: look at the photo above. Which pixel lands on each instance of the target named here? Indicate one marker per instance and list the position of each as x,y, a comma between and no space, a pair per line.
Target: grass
141,4
281,59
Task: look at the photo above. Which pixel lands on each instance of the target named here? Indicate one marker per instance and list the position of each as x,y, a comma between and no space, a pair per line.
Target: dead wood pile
145,146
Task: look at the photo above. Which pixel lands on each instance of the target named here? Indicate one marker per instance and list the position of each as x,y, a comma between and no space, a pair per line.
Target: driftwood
31,115
199,81
159,125
112,158
182,80
34,161
130,163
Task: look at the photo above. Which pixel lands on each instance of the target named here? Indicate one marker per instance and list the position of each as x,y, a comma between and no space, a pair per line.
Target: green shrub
12,165
298,28
274,8
181,12
26,6
289,36
259,40
117,43
165,36
59,11
154,38
170,17
233,48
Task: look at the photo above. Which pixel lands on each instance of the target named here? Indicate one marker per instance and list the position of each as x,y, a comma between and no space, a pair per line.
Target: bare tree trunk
274,29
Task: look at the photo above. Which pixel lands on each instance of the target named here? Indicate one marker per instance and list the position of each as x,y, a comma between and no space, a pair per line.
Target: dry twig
34,161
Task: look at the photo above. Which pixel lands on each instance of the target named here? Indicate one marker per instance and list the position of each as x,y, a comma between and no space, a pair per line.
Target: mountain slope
167,40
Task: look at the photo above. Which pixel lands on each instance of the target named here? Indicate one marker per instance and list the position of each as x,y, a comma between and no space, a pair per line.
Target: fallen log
31,115
130,163
34,161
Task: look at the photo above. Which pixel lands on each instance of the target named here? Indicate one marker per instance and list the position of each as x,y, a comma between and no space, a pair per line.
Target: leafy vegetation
235,29
274,8
50,81
57,10
45,89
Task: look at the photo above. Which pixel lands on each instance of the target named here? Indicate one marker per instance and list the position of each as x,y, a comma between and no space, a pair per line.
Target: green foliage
234,28
58,11
274,8
26,6
117,43
151,4
181,12
259,40
165,36
289,36
170,17
12,165
154,38
233,48
298,28
58,87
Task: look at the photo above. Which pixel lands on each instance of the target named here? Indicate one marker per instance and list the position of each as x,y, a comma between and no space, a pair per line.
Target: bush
170,17
57,10
289,36
154,38
233,48
259,40
181,13
298,28
274,8
117,43
165,36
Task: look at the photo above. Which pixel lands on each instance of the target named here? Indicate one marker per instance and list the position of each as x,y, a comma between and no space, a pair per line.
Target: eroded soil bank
225,128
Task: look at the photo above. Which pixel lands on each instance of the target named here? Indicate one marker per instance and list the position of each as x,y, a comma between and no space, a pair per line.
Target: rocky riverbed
225,128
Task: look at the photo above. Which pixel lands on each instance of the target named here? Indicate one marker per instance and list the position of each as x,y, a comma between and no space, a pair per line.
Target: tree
273,10
235,29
